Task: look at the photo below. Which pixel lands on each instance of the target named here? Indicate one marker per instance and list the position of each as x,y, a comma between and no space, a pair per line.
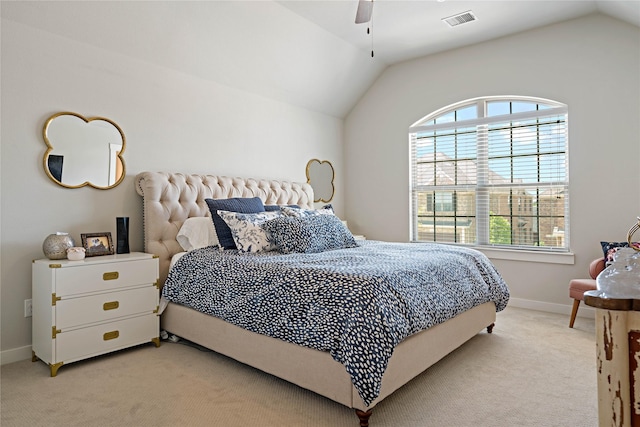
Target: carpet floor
531,371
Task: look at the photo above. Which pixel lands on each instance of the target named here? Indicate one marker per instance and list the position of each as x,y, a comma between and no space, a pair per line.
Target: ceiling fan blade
365,9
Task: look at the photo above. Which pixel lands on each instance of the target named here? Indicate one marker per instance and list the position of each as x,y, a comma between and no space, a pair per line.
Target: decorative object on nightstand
75,254
122,235
55,245
89,308
96,244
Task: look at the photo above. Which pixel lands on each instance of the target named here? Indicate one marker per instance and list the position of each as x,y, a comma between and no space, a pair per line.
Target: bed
169,199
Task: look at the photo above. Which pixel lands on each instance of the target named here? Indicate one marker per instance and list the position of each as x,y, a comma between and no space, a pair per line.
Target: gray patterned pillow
311,234
246,231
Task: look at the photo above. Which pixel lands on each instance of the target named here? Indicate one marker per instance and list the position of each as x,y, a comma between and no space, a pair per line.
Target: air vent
460,18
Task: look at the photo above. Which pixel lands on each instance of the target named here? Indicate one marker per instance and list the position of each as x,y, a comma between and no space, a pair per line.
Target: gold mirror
320,175
83,151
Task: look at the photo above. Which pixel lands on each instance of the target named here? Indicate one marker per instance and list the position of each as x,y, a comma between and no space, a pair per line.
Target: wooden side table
617,303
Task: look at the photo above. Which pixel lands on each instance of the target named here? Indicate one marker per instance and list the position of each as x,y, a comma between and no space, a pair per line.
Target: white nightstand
86,308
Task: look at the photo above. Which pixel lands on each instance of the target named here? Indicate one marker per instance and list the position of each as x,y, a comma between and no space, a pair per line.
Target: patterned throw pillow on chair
609,249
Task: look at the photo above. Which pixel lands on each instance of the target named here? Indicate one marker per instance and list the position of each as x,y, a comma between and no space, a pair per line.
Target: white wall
172,121
592,64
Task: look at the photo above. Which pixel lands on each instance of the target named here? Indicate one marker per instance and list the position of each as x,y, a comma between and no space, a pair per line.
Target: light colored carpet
532,371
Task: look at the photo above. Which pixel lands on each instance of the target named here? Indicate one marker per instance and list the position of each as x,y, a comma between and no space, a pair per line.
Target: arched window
492,171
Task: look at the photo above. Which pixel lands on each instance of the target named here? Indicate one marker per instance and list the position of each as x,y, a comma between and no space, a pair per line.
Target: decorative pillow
312,234
303,213
197,232
270,208
609,249
246,231
236,204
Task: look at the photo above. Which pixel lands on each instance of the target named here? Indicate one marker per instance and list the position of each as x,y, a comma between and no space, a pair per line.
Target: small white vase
75,254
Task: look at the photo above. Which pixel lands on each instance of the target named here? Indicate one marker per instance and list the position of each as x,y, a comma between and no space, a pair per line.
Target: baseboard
15,355
550,307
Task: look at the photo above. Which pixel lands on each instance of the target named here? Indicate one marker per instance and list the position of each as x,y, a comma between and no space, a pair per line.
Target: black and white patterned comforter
355,303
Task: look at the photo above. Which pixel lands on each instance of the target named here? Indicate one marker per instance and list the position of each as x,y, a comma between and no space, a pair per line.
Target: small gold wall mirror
83,151
320,175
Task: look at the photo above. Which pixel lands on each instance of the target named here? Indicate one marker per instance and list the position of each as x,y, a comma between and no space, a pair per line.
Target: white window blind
492,171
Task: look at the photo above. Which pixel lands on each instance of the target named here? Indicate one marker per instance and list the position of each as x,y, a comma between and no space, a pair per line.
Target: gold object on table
632,230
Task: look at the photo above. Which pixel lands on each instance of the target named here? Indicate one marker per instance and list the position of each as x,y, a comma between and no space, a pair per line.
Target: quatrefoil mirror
83,151
320,175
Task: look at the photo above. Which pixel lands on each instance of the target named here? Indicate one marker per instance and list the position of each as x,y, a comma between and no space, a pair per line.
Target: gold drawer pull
112,275
111,335
111,305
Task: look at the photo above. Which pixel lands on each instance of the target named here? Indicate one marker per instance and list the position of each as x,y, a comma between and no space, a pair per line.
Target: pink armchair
577,287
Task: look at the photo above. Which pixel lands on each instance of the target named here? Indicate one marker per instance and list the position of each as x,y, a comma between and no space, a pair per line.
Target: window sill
528,256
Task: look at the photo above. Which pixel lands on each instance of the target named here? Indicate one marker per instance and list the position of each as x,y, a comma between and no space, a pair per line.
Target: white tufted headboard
168,199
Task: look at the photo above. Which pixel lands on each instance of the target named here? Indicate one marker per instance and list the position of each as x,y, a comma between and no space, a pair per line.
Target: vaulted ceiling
305,53
402,30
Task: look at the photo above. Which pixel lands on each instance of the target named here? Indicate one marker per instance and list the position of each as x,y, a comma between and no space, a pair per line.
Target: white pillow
246,231
197,232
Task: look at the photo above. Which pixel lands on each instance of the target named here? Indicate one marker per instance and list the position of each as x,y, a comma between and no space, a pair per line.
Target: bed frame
170,198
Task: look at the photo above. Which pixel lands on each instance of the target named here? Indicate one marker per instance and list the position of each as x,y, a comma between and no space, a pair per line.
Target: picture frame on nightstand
96,244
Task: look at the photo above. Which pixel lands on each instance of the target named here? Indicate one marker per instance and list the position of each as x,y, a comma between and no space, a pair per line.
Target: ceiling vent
460,18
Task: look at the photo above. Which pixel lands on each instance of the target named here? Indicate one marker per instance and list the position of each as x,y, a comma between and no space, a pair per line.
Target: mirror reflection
320,175
83,151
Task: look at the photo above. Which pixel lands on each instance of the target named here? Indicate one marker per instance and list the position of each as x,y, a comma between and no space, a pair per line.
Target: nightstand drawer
103,307
105,276
95,340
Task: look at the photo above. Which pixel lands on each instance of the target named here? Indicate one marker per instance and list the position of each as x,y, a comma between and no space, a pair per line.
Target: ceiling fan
363,15
365,9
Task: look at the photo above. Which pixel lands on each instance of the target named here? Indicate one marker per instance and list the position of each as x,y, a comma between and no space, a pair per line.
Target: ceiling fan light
365,9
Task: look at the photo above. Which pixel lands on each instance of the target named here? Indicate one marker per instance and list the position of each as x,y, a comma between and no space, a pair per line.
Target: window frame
545,108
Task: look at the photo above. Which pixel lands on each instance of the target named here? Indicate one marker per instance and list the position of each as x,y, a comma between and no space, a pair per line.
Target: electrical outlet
28,308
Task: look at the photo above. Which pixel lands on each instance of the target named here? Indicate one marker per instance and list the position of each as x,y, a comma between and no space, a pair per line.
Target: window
492,172
440,202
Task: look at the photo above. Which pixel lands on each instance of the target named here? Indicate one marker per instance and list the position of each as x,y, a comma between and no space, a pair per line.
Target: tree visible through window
492,171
